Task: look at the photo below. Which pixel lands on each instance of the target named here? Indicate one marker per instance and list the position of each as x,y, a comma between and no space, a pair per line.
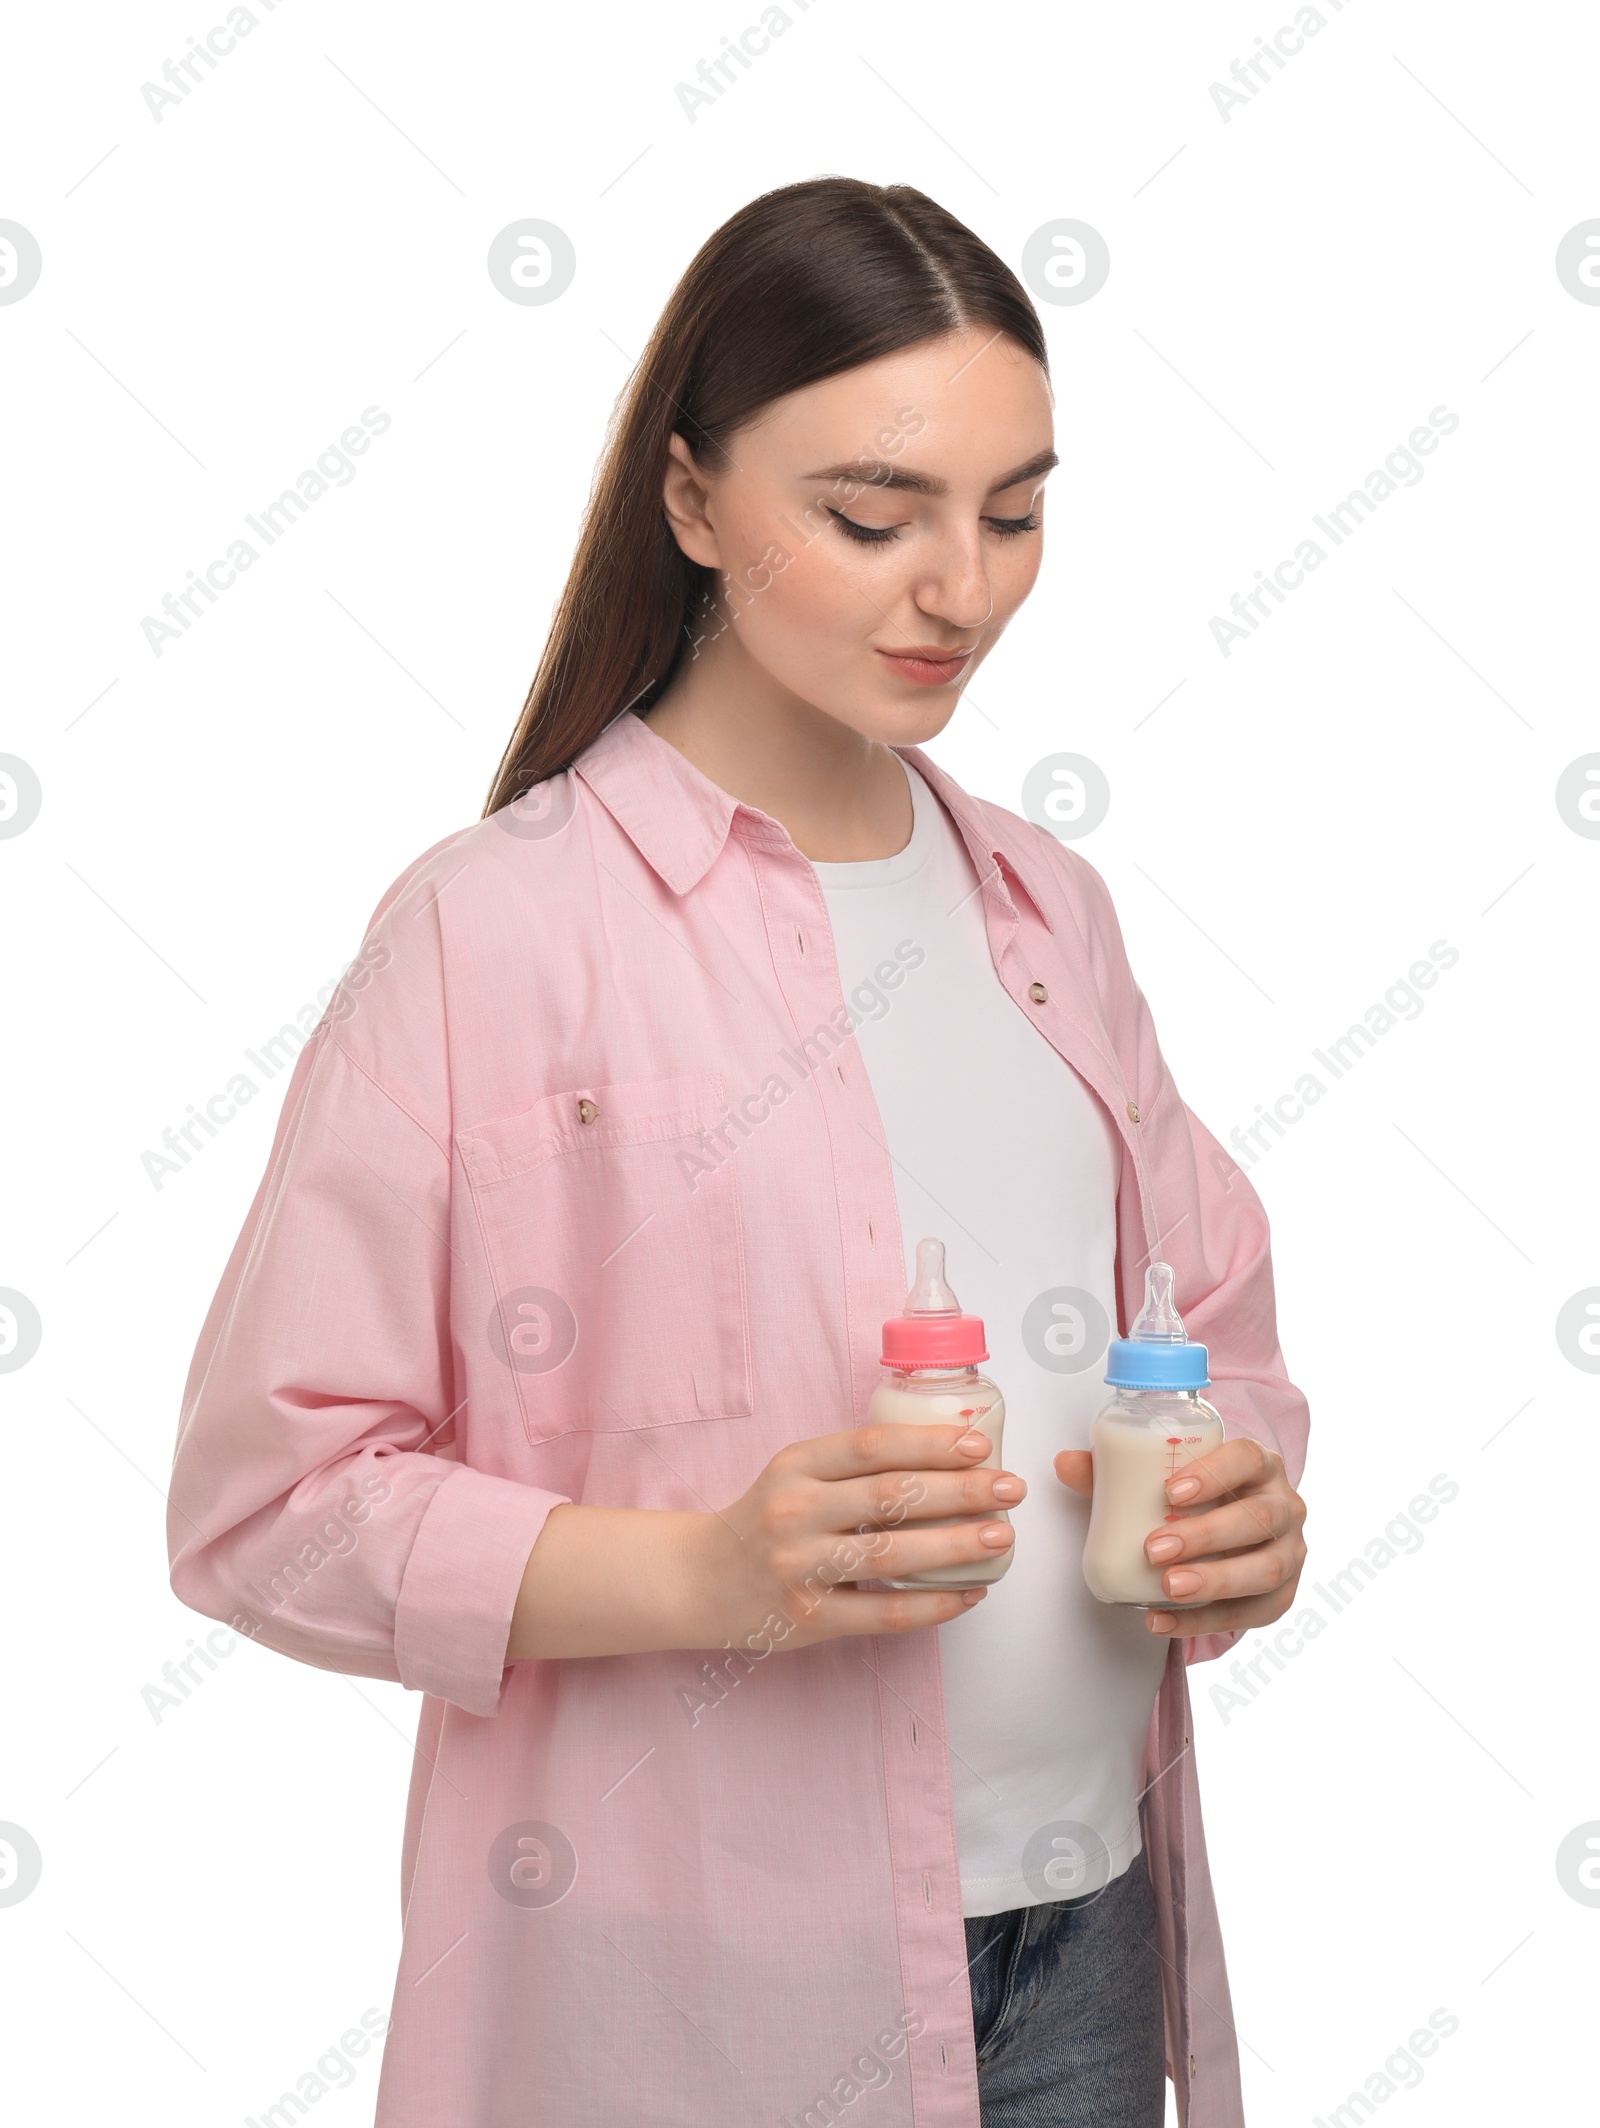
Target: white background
1372,235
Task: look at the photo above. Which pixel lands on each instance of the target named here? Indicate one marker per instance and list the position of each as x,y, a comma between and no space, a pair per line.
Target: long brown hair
801,284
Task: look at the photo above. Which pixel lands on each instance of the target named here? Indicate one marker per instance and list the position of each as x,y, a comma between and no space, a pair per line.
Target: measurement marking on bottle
1175,1441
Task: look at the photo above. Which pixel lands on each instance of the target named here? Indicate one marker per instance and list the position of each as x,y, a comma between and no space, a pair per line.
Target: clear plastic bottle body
937,1396
1139,1439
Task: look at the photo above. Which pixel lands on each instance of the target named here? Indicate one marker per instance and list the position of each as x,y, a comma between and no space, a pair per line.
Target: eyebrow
877,473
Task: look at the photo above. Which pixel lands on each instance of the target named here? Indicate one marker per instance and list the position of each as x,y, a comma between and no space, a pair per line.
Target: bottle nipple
1158,1321
931,1330
930,1294
1156,1353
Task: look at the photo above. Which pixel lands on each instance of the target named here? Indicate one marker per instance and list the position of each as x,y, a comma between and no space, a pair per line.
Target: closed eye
875,535
868,535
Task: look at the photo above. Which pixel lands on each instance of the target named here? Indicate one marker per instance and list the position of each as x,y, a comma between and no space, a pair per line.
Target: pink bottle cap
932,1332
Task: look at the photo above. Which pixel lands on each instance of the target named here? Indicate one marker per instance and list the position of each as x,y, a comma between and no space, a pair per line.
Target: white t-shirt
1002,1150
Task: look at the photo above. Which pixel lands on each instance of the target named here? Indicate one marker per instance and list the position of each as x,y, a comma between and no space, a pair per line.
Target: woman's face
875,532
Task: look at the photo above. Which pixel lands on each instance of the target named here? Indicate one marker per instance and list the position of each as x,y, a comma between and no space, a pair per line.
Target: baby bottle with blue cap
1154,1423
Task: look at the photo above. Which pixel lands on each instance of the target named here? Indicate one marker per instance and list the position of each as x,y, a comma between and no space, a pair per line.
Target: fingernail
1182,1581
1011,1489
1183,1488
973,1441
996,1533
1158,1547
972,1596
1161,1621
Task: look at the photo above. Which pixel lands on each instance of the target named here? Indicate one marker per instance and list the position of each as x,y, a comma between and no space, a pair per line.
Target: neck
841,796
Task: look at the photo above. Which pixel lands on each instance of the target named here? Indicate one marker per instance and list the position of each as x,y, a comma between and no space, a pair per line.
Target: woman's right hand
777,1568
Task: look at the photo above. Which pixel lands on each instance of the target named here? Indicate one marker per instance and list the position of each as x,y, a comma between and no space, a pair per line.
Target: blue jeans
1066,2009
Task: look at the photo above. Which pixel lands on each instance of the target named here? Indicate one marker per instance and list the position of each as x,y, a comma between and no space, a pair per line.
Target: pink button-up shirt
580,1193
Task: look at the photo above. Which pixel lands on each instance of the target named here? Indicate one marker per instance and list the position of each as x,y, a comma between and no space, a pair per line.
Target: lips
926,664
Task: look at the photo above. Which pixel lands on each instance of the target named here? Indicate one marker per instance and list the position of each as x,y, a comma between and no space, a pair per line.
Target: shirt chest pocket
617,1255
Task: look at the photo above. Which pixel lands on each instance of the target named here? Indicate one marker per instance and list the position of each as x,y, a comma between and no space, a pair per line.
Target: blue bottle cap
1133,1364
1156,1353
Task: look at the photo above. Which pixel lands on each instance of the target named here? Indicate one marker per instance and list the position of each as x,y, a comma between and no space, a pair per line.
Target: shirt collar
997,842
676,818
679,820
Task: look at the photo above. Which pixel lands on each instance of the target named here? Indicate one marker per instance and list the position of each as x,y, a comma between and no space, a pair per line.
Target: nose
956,587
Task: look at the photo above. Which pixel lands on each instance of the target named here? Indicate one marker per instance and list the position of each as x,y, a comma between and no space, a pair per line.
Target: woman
537,1375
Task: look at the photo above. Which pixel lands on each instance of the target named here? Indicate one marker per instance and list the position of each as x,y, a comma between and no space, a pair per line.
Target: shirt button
587,1110
1038,993
1133,1111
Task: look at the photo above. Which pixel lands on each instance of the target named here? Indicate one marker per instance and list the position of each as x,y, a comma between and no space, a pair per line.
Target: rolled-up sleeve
311,1507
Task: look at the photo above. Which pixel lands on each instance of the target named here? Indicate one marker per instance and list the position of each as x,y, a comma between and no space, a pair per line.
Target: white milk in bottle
1155,1423
930,1378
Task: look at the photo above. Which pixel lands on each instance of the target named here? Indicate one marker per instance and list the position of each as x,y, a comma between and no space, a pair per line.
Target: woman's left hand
1235,1550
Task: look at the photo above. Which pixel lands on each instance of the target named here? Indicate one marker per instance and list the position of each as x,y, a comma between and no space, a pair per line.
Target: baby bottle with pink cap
930,1378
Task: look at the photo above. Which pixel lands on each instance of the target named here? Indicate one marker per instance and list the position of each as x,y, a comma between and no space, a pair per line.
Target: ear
686,498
